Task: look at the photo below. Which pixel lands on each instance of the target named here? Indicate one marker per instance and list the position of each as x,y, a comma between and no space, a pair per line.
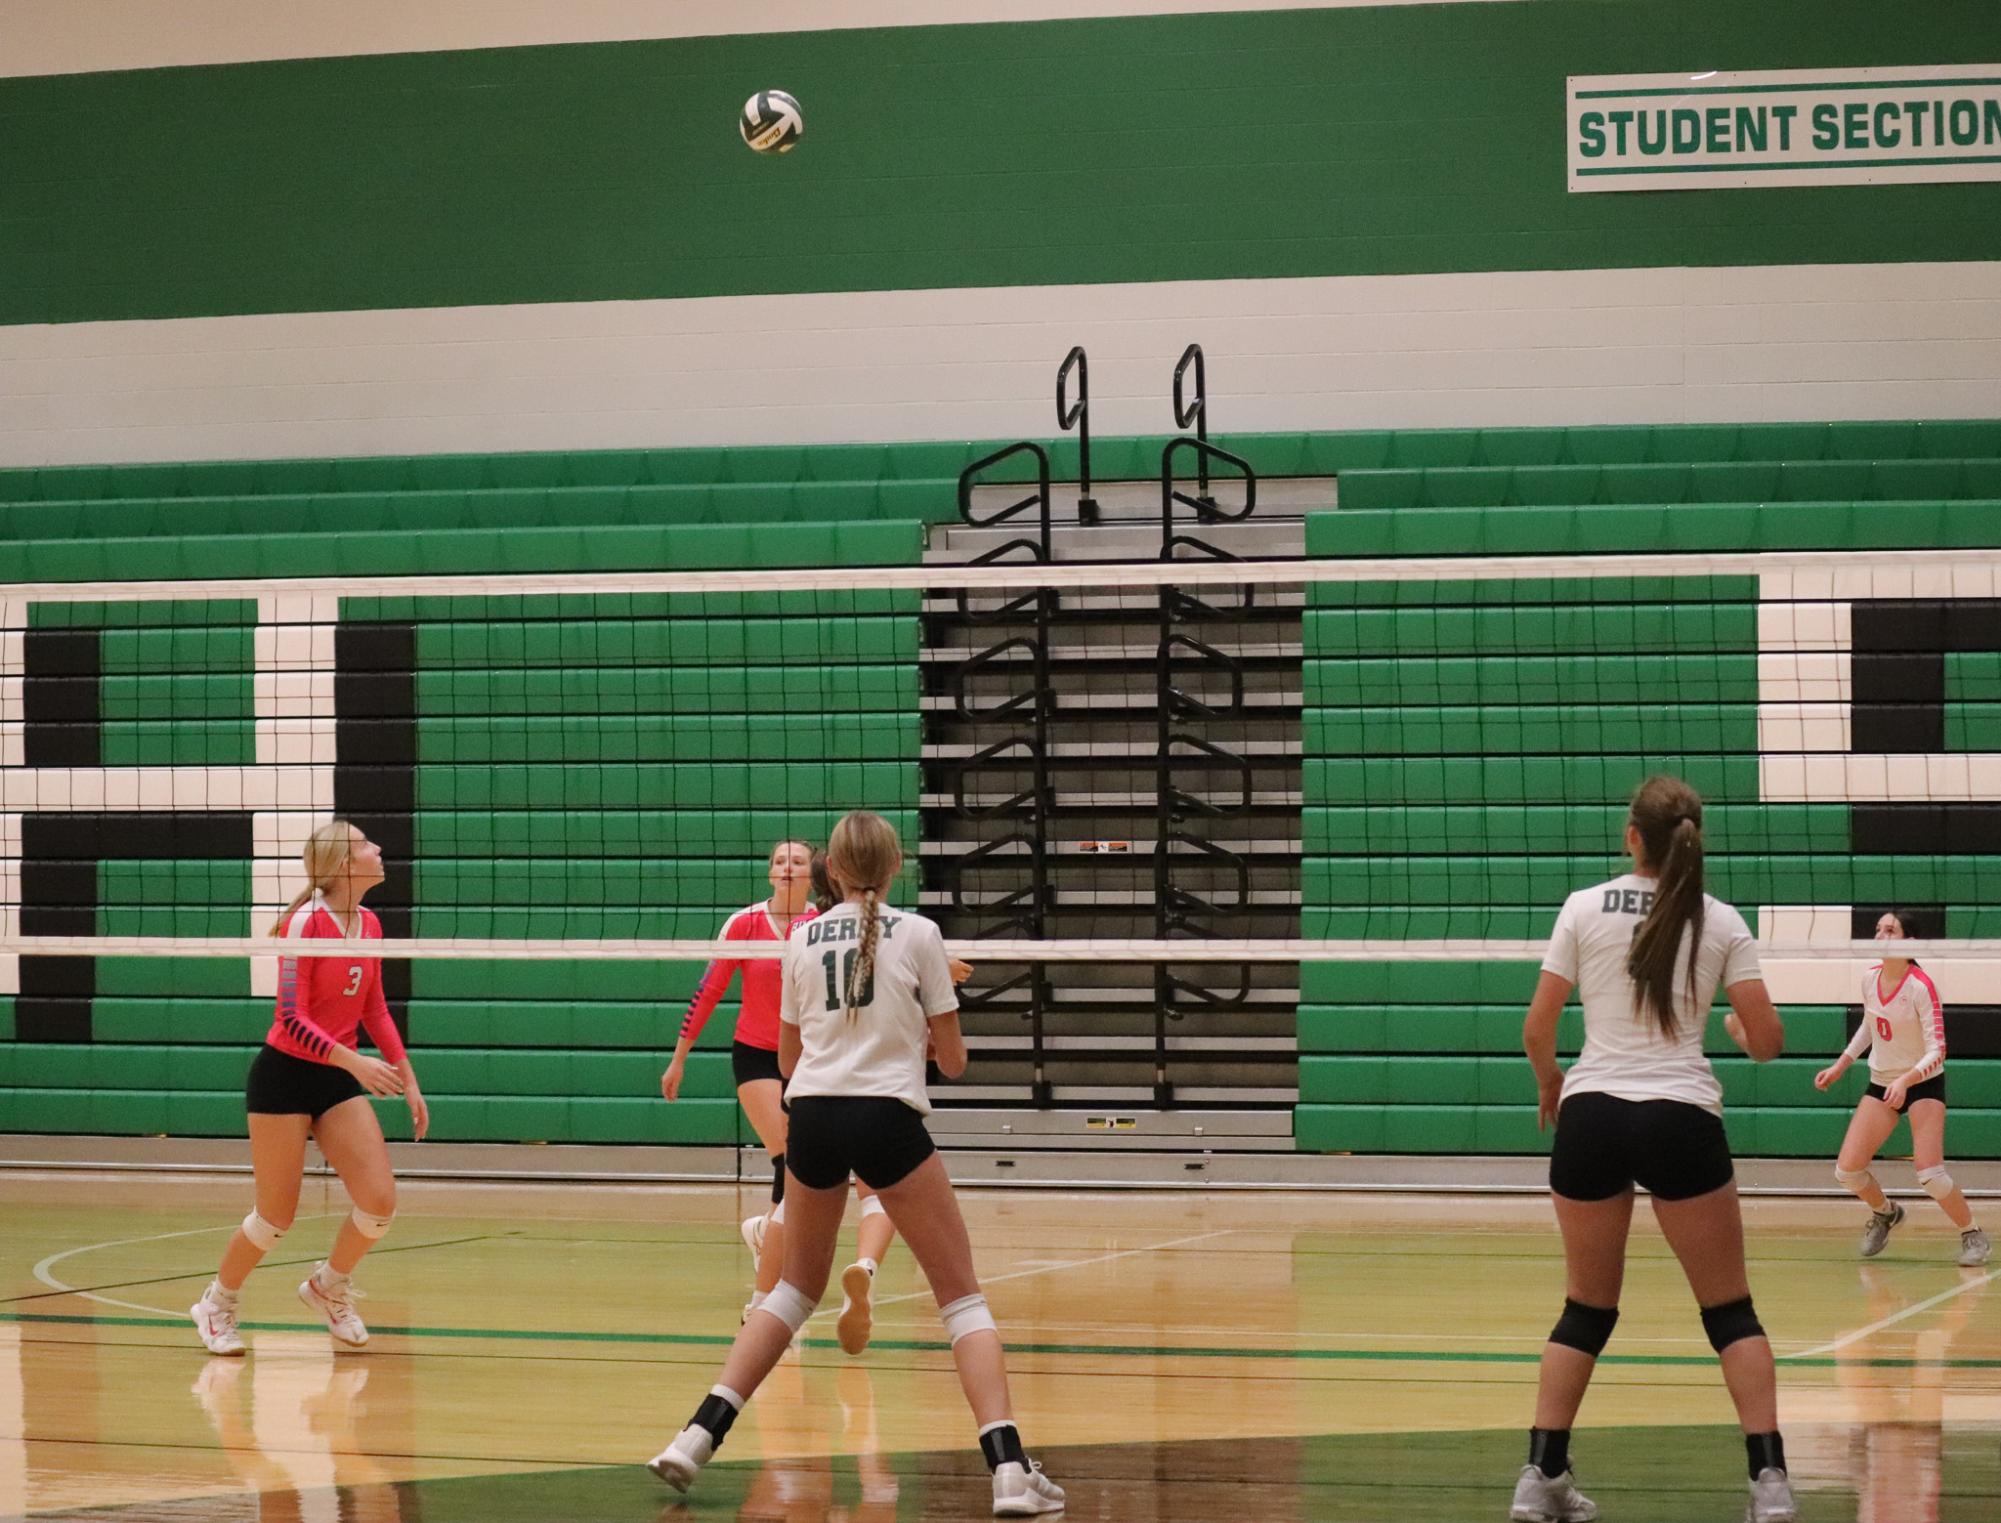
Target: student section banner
1715,131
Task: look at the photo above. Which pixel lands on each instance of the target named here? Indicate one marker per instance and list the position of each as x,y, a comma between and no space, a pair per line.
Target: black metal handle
997,755
1038,498
1174,795
1069,415
967,669
1204,505
1231,667
1077,415
1197,411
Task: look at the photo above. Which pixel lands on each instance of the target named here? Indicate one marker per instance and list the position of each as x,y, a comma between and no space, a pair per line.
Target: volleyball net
1187,762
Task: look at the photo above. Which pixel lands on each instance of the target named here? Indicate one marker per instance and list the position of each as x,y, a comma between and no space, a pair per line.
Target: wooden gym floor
1206,1356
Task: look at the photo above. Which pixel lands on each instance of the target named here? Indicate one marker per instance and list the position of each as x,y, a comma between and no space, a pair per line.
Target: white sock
868,1264
327,1278
217,1295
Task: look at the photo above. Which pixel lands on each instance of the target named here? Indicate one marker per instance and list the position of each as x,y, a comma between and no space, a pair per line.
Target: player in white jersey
1647,952
867,994
1903,1026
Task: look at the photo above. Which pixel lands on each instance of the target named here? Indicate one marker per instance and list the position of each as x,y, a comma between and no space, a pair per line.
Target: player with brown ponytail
1641,1105
868,990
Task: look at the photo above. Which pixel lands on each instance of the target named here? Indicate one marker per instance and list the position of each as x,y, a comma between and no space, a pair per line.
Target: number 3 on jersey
353,980
836,988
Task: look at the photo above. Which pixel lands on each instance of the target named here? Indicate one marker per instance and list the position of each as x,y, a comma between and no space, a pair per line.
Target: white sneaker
1023,1491
857,1311
1544,1499
337,1307
752,1228
680,1460
1771,1499
1974,1248
217,1325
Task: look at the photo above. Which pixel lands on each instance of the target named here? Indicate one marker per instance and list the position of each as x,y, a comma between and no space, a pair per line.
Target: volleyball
771,122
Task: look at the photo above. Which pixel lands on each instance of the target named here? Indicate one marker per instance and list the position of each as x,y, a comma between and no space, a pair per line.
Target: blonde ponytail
325,856
863,854
861,975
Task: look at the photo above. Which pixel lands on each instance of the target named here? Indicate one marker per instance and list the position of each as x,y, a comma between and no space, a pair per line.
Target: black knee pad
1731,1323
777,1178
1585,1328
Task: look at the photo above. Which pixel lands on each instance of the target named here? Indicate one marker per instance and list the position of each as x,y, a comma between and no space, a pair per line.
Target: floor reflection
301,1426
1901,1424
1881,1433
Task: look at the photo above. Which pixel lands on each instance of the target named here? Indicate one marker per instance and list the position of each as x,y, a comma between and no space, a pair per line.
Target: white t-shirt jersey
880,1052
1906,1026
1625,1053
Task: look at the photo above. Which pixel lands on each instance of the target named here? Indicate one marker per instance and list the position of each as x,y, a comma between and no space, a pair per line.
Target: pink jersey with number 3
1906,1024
324,1001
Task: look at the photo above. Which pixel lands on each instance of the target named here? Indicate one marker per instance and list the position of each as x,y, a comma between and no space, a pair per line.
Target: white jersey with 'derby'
880,1052
1625,1052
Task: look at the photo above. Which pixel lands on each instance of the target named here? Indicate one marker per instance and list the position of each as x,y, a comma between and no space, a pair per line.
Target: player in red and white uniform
310,1081
759,1088
1903,1026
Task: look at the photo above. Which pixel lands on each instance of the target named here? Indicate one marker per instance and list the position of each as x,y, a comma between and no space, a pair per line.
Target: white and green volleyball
772,122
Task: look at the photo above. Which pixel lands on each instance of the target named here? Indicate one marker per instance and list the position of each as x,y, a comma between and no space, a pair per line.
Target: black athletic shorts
1605,1146
282,1085
748,1063
1932,1089
878,1140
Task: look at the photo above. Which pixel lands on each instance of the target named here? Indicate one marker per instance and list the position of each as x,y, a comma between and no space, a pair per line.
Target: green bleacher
586,765
619,768
1470,747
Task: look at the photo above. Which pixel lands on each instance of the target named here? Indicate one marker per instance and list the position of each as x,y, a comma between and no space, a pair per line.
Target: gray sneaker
1771,1499
1877,1233
1541,1499
1974,1248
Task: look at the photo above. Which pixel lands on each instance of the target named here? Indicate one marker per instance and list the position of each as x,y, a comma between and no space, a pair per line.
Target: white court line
41,1270
1895,1317
1052,1267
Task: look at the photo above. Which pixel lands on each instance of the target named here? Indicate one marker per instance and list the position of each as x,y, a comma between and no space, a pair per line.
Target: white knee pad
262,1234
370,1227
968,1314
776,1214
1854,1180
789,1304
872,1206
1935,1182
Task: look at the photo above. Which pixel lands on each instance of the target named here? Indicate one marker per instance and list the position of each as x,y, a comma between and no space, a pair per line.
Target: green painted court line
940,1346
1700,169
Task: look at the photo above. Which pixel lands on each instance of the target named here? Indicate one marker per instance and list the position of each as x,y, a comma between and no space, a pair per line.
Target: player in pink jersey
759,1088
1903,1025
310,1081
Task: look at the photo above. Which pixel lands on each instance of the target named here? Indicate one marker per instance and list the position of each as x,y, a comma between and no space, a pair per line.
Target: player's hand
670,1081
1828,1075
961,971
1895,1092
420,1110
1549,1095
376,1076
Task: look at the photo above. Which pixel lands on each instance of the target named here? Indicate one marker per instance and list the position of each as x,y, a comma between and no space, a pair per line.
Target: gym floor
1200,1356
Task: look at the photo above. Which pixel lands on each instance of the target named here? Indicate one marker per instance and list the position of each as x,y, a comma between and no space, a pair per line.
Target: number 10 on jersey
836,985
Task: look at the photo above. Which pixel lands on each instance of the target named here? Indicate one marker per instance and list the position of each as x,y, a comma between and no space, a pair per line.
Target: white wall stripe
74,36
64,789
1510,348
